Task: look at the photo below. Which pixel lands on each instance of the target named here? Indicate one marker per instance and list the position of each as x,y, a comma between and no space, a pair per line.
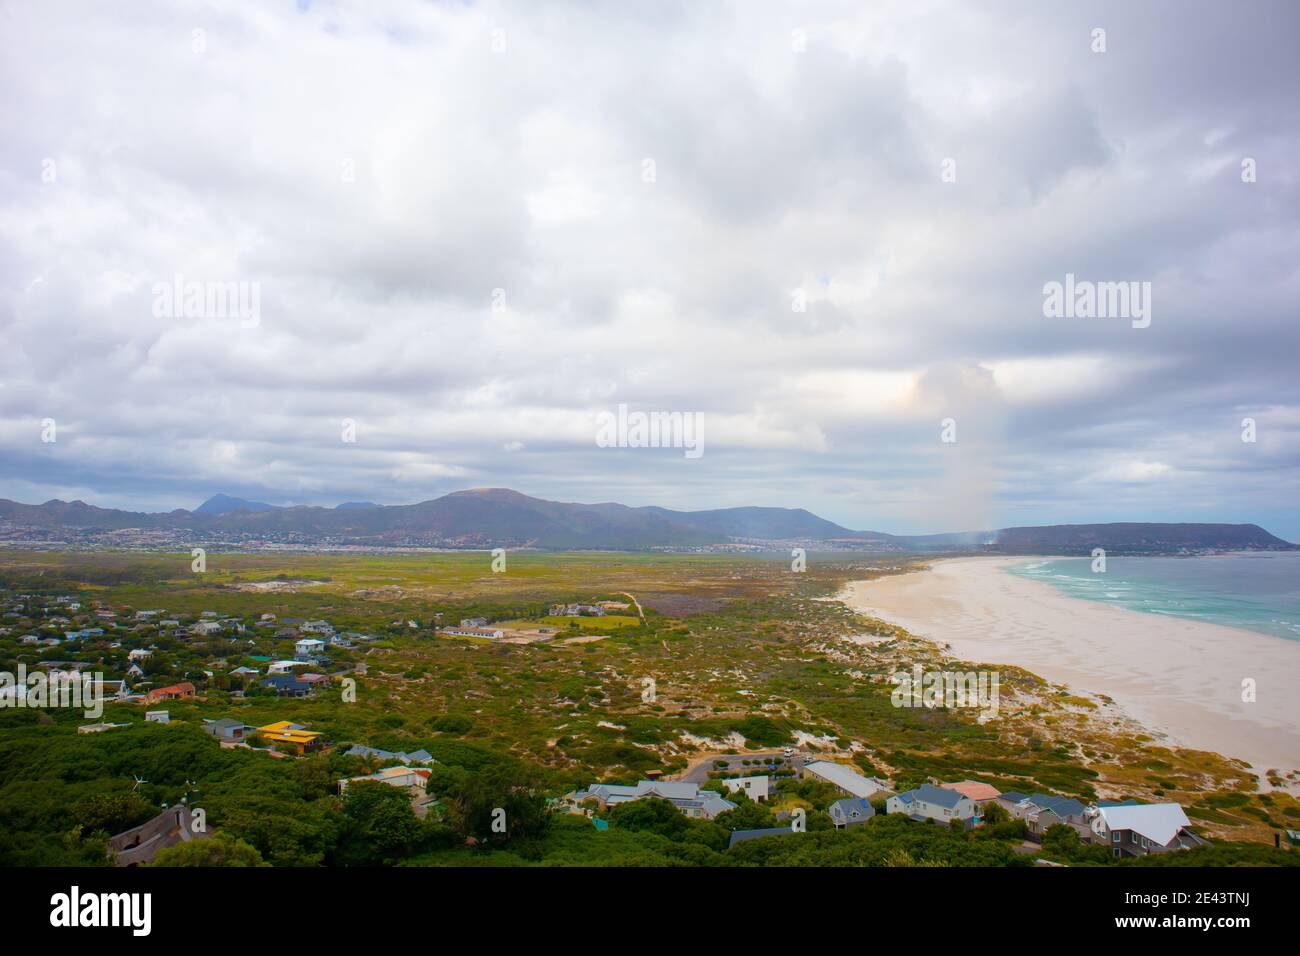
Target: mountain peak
220,504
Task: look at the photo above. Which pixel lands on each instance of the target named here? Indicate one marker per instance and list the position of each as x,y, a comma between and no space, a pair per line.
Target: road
699,768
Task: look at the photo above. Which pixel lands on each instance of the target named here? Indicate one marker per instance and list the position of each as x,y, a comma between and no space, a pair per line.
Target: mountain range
499,517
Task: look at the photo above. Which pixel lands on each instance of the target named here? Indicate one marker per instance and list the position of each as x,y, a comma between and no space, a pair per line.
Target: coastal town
157,667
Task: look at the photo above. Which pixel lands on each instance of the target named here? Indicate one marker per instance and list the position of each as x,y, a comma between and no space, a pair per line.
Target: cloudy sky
472,227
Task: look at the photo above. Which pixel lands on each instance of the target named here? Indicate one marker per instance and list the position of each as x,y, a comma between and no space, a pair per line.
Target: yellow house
286,734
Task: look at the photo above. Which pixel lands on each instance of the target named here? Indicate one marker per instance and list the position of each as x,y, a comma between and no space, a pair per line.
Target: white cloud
380,171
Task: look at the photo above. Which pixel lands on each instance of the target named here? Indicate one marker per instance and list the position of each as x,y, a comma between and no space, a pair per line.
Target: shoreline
1180,678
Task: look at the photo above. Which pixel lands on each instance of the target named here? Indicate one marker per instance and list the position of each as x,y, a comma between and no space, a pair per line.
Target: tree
650,814
995,813
480,803
379,826
748,815
112,812
220,849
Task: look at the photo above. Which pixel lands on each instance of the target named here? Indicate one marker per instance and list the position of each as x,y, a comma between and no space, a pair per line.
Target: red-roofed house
978,792
184,691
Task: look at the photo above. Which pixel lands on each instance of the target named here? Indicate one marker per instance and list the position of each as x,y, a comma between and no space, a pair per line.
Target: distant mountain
1136,538
759,523
499,517
224,504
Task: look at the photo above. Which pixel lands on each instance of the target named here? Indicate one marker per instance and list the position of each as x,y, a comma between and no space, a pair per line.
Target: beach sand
1177,677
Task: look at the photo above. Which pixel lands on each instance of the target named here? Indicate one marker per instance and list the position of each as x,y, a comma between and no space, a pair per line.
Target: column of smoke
961,497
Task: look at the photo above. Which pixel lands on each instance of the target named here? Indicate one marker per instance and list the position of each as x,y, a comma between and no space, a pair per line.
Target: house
756,788
1043,810
1139,829
204,628
412,778
494,633
307,648
98,728
928,802
317,627
286,685
418,756
473,622
688,798
284,667
981,793
135,671
850,812
576,610
109,689
743,836
286,735
182,691
157,717
852,783
141,844
226,728
245,672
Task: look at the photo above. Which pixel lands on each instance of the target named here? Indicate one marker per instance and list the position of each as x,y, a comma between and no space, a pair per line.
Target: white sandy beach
1178,677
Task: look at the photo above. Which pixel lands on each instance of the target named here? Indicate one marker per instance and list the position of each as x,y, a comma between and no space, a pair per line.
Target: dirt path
640,612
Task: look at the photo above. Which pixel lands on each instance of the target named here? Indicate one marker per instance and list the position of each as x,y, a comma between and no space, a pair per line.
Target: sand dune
1178,677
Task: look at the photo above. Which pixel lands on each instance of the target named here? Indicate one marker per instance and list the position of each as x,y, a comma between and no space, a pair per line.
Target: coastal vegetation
745,657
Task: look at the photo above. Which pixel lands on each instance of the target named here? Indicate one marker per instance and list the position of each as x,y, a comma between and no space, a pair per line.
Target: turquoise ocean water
1259,591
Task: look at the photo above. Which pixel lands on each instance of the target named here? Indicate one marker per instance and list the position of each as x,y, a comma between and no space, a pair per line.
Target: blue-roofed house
850,812
928,802
417,756
1043,810
687,797
286,685
742,836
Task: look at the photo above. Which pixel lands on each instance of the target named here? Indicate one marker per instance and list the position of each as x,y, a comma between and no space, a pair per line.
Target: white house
852,783
928,802
139,654
494,633
756,788
412,778
284,667
1139,829
308,646
157,717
